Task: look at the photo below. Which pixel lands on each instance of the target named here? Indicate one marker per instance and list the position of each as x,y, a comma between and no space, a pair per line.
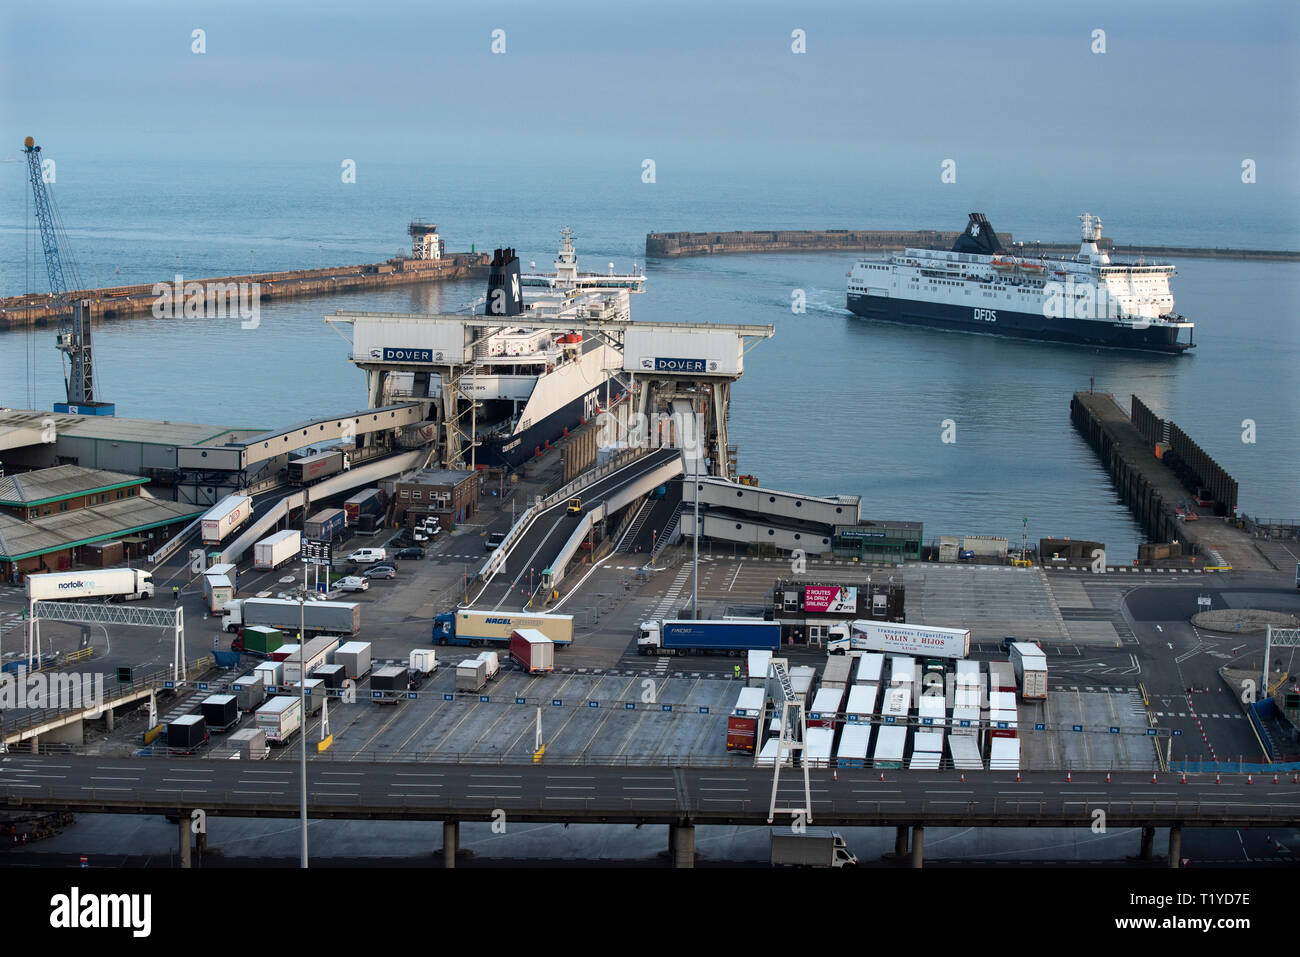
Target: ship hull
1017,325
512,451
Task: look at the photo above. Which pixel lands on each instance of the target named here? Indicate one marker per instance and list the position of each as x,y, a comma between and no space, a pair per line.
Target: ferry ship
980,287
531,385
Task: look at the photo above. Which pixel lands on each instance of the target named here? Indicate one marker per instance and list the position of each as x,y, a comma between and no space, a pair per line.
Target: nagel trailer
854,741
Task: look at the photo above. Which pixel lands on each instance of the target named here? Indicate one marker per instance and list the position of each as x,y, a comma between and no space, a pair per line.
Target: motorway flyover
550,534
681,797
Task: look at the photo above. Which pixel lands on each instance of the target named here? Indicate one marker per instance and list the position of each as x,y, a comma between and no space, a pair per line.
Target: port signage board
830,598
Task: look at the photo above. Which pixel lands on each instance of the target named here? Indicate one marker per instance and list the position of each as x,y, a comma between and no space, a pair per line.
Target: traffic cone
1017,777
882,776
1153,777
1067,777
1216,777
963,777
1250,779
1108,777
1275,779
1184,777
835,775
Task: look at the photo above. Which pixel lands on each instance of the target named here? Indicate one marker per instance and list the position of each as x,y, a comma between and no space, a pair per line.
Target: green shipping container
261,639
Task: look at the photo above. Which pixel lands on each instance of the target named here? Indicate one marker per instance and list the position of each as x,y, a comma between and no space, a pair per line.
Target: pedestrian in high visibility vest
176,594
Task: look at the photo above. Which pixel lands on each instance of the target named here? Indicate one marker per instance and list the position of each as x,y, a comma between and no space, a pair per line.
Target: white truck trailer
116,584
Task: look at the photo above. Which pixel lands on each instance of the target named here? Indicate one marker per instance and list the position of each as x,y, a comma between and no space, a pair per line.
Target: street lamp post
302,713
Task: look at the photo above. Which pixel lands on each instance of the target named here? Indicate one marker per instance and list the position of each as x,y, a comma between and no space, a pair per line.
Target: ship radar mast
1088,250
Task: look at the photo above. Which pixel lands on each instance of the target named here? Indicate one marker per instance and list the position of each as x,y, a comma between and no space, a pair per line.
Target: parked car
352,583
380,571
494,540
414,551
574,507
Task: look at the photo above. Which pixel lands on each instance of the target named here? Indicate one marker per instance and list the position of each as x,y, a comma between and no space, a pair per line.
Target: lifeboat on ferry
1033,267
1000,263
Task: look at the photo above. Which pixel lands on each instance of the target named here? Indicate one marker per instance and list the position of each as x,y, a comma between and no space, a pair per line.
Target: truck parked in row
1030,665
672,636
280,718
921,640
113,584
534,652
224,517
218,590
366,502
473,674
814,848
333,617
326,525
272,552
468,626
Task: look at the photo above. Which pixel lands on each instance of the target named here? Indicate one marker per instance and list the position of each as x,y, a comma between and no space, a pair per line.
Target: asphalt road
702,795
537,547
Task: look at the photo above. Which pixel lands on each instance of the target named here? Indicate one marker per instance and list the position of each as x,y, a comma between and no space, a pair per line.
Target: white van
368,556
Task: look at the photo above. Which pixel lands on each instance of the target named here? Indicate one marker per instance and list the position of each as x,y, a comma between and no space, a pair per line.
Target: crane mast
73,336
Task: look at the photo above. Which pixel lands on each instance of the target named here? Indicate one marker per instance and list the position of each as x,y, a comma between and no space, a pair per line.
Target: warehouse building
56,518
878,541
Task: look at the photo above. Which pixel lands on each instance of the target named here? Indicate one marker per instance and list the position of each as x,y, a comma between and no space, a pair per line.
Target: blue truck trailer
674,636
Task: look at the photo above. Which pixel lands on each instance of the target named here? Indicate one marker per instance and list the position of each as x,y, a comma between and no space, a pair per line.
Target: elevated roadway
549,536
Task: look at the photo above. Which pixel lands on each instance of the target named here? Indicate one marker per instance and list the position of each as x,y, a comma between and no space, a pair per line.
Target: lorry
533,650
825,708
220,711
814,848
671,636
326,525
318,465
280,718
838,672
354,656
334,617
275,550
227,569
302,663
114,584
468,626
366,502
471,675
1030,665
217,590
224,517
261,641
926,641
421,663
493,663
389,684
745,721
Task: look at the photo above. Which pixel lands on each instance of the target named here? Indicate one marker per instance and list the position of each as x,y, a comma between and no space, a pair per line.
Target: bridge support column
900,842
1175,845
918,845
108,719
1148,839
183,827
450,842
681,844
36,743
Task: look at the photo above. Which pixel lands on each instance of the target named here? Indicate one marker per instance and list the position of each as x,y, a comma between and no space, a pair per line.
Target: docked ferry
530,385
980,287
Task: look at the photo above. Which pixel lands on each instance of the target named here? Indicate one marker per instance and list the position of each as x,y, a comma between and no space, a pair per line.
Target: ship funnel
979,237
504,297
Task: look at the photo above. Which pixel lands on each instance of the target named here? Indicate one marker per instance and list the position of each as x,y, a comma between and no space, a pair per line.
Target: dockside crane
73,335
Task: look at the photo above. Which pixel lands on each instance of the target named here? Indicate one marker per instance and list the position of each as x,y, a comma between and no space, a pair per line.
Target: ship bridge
662,366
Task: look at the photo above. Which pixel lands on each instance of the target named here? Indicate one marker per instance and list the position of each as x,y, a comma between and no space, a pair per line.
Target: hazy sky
1184,89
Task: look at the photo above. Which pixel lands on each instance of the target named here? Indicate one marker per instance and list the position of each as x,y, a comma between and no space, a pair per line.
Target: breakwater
679,244
121,302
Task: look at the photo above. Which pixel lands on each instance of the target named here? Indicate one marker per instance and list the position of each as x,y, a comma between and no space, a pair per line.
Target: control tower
425,242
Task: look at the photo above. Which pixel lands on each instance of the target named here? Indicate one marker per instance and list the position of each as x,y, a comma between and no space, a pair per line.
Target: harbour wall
681,244
120,302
